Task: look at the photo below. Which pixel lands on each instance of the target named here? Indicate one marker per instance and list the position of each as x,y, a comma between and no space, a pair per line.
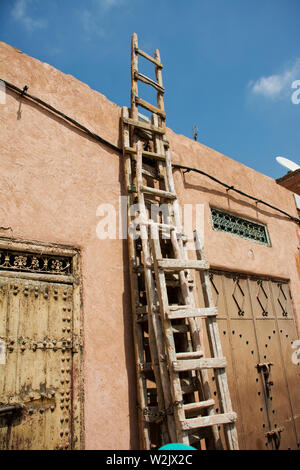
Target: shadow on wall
226,195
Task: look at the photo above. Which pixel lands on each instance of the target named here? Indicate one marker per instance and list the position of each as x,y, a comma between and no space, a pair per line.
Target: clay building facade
54,178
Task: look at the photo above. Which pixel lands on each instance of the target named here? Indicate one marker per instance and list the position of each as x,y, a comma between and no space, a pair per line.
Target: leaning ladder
173,384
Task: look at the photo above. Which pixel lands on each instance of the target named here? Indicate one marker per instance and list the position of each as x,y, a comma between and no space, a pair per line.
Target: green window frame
235,225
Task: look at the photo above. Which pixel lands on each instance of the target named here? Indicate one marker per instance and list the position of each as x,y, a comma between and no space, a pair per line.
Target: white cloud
91,25
20,14
276,86
93,19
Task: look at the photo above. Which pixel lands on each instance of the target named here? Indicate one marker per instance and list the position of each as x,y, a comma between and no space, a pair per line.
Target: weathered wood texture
40,328
178,366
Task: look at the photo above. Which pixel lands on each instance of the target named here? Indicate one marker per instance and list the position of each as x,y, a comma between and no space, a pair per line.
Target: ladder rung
199,364
150,107
189,312
155,156
173,264
204,421
180,329
145,153
189,355
148,57
144,125
158,192
148,81
194,407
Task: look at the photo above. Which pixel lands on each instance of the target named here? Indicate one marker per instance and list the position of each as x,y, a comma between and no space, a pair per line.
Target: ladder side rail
161,339
203,376
160,149
171,187
189,299
160,96
158,338
151,302
144,430
134,82
216,348
179,413
155,334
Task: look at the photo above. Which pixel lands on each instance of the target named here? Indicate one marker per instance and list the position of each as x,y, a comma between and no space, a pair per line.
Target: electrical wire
232,188
23,93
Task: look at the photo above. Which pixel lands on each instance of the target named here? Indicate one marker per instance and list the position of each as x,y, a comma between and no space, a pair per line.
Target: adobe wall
226,251
53,178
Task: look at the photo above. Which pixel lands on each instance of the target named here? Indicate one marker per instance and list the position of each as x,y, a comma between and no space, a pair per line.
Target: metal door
257,331
36,368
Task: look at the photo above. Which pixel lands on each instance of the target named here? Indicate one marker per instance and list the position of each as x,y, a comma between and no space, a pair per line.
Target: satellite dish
291,166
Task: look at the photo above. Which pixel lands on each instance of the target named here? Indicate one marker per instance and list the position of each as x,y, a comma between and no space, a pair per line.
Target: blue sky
228,64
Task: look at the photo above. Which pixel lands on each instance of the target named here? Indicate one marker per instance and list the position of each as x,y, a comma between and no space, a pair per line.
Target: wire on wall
23,93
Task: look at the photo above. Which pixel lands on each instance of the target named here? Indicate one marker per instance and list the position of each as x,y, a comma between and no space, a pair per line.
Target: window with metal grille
230,223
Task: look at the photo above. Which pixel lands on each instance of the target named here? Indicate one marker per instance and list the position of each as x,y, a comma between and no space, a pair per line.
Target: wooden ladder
173,384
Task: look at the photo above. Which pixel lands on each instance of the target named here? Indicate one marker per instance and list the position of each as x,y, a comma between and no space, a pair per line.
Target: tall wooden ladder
175,403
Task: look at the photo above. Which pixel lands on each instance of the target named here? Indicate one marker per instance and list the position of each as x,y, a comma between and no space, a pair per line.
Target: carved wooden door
36,365
258,332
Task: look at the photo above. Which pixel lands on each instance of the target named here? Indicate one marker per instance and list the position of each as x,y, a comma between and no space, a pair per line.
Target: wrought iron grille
230,223
37,263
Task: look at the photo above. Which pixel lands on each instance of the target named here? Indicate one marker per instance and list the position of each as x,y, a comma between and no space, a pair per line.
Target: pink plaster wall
227,251
53,178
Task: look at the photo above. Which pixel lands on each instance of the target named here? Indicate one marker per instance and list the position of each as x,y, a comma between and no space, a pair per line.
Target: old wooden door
36,393
258,332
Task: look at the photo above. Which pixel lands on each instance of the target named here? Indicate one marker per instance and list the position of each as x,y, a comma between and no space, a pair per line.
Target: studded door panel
252,417
259,338
36,326
275,386
290,346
